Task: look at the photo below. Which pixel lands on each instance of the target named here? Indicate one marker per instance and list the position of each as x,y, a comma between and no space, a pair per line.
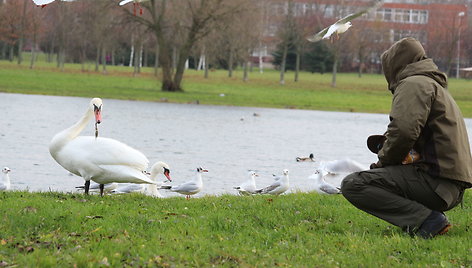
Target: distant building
437,24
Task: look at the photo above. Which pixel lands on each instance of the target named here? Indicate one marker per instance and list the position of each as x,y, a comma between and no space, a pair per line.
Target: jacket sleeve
411,105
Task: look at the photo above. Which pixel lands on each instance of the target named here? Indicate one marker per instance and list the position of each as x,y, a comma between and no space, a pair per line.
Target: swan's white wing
43,2
121,174
124,2
102,151
103,160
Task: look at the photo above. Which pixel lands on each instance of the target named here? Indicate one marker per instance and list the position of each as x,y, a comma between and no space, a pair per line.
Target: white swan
248,187
149,189
321,186
279,186
5,183
99,159
191,187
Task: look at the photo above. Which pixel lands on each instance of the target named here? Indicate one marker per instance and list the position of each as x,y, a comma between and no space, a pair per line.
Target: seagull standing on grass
189,188
279,186
5,183
342,25
248,187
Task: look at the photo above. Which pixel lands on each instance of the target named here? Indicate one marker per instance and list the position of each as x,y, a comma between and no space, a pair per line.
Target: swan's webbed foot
87,187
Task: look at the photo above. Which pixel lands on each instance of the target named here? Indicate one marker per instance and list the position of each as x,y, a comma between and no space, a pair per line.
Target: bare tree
179,25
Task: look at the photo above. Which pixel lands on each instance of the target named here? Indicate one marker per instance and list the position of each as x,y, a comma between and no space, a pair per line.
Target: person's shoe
435,224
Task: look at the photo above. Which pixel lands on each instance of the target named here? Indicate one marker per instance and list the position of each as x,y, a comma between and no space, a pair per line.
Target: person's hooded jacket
424,116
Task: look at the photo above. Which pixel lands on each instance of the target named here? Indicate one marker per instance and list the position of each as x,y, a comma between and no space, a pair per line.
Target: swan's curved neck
72,132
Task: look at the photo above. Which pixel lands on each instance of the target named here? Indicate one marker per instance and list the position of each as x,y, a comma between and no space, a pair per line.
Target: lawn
294,230
353,94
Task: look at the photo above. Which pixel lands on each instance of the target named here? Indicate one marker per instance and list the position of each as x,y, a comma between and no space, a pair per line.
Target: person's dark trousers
401,195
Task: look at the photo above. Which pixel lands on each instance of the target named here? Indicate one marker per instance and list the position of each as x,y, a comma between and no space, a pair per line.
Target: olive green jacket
424,116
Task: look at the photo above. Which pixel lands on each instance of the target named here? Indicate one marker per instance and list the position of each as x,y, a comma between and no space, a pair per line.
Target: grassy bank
295,230
313,91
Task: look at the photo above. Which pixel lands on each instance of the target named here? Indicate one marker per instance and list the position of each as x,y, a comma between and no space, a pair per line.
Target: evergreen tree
318,58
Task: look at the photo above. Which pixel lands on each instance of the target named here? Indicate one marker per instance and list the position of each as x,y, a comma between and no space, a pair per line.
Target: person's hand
375,165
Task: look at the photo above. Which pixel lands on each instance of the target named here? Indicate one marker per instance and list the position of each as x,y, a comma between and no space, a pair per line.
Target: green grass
313,91
294,230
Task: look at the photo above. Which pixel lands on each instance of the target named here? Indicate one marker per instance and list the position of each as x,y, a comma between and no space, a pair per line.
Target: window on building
387,14
415,16
329,11
423,17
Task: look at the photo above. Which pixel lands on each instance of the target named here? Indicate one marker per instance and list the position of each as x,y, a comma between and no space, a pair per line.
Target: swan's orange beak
98,113
167,174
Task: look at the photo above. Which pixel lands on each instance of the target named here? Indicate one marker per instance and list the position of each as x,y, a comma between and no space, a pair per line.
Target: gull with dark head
342,25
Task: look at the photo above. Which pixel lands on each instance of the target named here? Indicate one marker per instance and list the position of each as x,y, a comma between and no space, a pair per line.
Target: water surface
228,141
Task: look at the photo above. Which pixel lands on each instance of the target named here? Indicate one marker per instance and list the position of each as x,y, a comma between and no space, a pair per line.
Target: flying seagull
342,25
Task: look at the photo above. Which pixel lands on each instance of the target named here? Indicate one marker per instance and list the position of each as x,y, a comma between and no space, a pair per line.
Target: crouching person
425,119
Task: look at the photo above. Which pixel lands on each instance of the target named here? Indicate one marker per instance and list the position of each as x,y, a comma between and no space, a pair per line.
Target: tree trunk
335,69
113,60
4,50
230,63
206,69
33,51
261,63
104,60
12,53
297,66
97,59
282,64
141,52
245,70
22,33
156,61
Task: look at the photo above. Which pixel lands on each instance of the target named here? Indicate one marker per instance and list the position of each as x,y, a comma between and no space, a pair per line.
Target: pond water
228,141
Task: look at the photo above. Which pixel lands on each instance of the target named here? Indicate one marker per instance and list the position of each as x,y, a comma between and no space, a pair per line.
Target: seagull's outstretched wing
42,2
124,2
318,36
352,16
332,28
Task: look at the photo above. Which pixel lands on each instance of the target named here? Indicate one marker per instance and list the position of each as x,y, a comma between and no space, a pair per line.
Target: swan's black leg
87,186
102,186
